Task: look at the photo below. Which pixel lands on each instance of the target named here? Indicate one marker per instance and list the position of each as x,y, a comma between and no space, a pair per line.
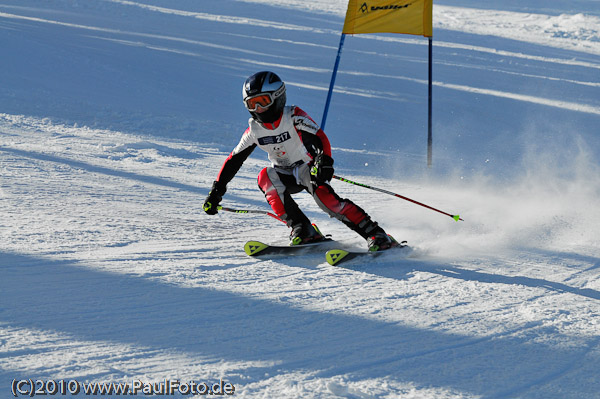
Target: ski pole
455,217
222,208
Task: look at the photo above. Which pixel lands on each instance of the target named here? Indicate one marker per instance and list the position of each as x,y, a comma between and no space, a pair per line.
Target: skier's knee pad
264,183
270,191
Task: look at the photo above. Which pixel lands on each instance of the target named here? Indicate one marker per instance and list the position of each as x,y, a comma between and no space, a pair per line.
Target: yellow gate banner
413,17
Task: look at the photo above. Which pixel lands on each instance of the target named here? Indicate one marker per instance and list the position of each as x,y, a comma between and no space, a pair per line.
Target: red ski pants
278,185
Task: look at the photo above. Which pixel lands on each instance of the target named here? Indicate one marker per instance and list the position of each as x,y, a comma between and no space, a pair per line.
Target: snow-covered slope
115,117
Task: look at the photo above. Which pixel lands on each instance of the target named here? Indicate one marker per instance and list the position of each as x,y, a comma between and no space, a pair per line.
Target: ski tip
335,255
254,247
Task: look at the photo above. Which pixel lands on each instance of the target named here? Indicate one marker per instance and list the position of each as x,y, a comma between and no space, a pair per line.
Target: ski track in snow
578,32
111,271
349,91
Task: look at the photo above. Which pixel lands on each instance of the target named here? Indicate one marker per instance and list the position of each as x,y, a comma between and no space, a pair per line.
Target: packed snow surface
116,116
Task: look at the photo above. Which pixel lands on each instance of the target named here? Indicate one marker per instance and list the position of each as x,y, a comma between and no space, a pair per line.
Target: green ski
337,256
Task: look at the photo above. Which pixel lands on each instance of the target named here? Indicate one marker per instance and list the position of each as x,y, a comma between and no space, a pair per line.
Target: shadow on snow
68,297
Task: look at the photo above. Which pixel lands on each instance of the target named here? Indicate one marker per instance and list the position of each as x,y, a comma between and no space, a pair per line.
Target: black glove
322,169
215,196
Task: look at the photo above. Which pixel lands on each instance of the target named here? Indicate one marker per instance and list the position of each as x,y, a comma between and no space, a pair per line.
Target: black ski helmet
265,90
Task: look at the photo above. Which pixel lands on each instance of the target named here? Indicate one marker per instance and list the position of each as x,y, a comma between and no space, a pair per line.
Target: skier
300,154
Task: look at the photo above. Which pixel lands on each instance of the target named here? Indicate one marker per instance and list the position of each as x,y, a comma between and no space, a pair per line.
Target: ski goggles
264,100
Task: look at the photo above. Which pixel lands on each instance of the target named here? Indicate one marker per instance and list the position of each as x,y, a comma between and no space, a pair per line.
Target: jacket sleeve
314,138
236,159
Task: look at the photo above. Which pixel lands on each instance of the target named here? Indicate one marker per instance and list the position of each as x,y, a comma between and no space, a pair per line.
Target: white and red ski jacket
289,142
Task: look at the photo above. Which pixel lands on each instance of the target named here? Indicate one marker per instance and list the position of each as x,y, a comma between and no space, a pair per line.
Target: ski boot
303,233
381,241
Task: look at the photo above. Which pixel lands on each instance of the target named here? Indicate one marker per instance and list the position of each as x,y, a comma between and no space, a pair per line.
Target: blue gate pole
332,83
429,122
